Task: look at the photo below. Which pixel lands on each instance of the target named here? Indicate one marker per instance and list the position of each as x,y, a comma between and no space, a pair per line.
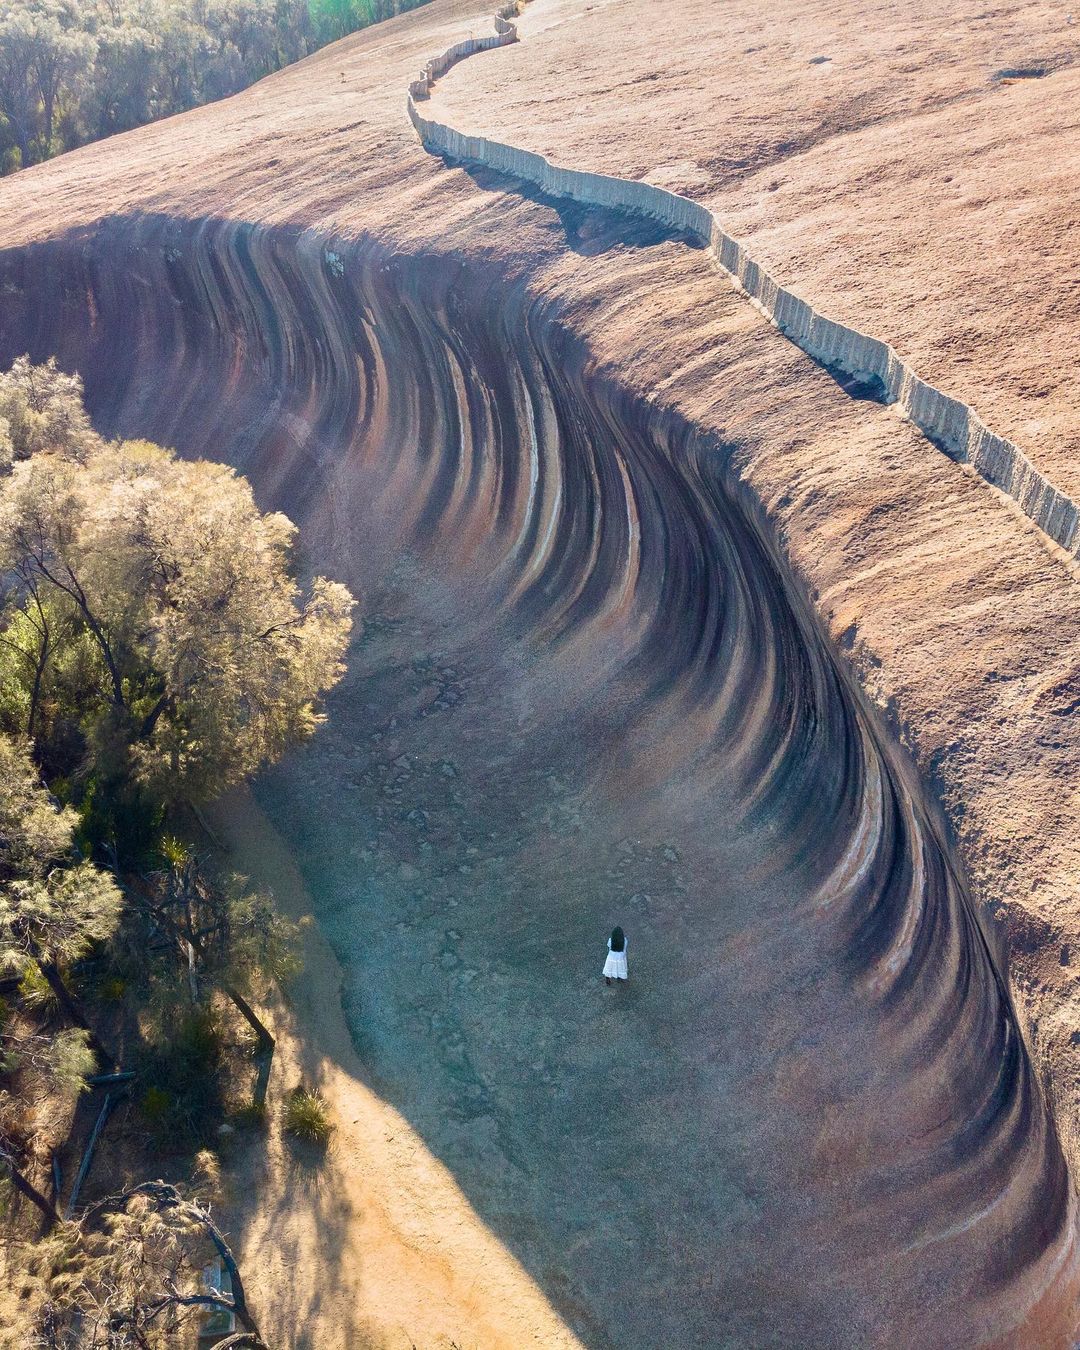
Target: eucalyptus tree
53,905
193,657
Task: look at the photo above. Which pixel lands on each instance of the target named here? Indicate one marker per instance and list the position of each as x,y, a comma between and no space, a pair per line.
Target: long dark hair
618,939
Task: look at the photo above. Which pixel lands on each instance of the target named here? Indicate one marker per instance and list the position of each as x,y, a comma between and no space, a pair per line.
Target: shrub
68,1060
186,1073
156,1105
307,1116
174,850
196,1049
206,1173
250,1116
36,992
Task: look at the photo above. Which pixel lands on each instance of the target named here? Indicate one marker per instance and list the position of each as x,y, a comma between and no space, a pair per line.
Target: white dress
615,965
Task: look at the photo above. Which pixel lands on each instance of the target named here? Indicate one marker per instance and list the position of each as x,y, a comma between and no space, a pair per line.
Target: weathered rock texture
635,525
877,370
873,158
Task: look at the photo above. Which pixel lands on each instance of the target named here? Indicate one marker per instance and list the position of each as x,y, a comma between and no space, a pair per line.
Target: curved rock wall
897,1175
946,421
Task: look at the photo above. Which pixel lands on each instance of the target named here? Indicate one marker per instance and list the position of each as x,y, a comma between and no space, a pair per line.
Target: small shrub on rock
307,1116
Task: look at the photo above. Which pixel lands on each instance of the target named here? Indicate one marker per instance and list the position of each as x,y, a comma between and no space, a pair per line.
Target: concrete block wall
949,423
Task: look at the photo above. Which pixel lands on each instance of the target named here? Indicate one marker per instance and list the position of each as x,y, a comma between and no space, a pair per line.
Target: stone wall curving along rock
952,425
841,1082
815,1119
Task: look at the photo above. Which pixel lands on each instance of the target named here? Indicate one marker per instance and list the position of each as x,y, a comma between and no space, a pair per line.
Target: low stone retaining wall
950,424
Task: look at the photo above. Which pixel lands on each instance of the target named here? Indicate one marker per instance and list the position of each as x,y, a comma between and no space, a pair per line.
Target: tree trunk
240,1304
76,592
22,140
150,721
28,1189
251,1017
48,106
72,1011
35,695
39,674
266,1042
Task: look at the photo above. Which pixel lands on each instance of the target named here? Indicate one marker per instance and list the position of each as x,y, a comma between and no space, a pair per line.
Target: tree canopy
72,71
156,647
149,606
41,408
52,906
135,1273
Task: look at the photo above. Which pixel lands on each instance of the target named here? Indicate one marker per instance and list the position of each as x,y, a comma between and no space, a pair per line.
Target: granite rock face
876,369
609,526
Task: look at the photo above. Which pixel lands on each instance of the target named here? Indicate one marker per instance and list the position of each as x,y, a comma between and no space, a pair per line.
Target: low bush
36,992
113,989
156,1105
250,1116
307,1116
185,1075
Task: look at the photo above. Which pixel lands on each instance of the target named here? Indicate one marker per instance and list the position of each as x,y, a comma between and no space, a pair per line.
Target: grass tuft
307,1116
250,1116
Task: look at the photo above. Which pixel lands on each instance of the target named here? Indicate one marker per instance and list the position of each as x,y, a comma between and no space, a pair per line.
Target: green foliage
262,944
63,1060
332,19
156,1105
223,939
61,916
72,71
250,1116
125,814
239,939
175,851
36,833
183,1100
51,907
151,605
196,1045
41,408
35,991
113,990
307,1116
69,1060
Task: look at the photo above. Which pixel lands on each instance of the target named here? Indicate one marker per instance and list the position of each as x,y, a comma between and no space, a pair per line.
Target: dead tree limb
166,1197
26,1188
84,1166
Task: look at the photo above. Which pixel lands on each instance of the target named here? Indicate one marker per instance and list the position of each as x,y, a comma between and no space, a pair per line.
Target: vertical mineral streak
403,405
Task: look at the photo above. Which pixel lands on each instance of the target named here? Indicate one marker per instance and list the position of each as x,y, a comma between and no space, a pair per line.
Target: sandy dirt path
375,1245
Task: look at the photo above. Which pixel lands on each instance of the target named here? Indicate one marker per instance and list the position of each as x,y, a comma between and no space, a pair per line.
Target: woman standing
615,965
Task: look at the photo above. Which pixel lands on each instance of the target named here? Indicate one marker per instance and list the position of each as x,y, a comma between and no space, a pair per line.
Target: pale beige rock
392,349
374,1245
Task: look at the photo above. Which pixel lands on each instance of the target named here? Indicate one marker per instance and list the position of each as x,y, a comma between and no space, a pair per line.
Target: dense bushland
155,649
73,71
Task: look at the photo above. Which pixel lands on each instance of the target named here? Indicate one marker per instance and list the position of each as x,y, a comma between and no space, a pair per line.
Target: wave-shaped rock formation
874,367
819,1123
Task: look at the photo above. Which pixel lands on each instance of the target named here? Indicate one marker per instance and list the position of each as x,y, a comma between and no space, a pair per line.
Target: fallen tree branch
84,1166
166,1196
26,1188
